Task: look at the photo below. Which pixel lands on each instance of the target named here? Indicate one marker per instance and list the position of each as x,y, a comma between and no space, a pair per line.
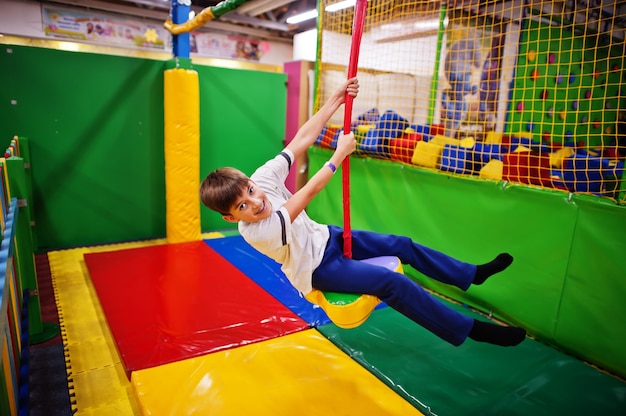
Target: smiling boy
273,221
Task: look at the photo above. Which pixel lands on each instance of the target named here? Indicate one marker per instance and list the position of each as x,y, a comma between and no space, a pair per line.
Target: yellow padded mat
298,374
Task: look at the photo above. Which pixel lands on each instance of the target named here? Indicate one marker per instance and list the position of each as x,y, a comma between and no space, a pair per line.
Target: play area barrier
20,311
516,93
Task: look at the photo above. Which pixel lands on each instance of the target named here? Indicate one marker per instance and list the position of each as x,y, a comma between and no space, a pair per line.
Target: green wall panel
593,308
95,124
564,250
242,119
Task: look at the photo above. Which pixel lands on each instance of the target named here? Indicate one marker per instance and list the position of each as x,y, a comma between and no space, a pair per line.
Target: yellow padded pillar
182,155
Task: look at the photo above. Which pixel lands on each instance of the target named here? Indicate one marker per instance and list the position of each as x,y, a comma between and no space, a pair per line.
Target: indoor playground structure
482,127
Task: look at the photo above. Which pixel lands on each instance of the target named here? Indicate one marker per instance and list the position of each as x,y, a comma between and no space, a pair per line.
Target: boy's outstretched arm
346,144
308,133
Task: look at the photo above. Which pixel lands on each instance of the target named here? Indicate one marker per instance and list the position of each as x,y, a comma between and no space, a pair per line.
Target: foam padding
182,154
298,374
92,359
427,154
267,274
166,303
476,378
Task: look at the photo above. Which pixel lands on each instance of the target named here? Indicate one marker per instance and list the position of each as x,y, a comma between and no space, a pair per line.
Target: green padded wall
566,285
96,132
95,124
243,116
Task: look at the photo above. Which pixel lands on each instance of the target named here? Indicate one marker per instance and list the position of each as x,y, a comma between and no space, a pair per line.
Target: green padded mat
477,378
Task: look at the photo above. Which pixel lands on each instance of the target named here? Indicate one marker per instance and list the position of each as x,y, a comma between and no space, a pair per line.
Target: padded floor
440,379
477,378
420,370
299,374
166,303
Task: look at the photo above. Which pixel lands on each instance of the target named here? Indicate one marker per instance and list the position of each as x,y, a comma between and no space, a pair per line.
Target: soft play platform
202,329
165,303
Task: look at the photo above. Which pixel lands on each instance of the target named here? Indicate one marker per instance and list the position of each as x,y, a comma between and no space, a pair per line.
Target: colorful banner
102,29
215,45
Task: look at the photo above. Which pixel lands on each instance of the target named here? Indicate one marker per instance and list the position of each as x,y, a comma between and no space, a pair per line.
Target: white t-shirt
298,246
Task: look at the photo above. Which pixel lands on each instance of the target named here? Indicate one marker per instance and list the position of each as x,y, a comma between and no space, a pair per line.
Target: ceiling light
340,6
311,14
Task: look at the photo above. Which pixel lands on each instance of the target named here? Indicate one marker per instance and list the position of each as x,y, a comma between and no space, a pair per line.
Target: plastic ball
588,94
545,94
546,136
534,75
530,126
550,112
551,58
559,79
575,105
562,114
584,119
572,78
531,55
596,124
520,106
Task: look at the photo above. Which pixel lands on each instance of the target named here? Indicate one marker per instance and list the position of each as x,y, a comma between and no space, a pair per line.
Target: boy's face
251,206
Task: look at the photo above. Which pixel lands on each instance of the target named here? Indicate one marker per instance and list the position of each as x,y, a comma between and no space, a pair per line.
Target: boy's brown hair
221,188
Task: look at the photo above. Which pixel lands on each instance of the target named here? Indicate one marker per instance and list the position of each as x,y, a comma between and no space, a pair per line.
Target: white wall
305,46
21,18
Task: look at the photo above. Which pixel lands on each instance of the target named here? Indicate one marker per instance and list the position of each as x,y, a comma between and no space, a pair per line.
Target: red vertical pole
358,24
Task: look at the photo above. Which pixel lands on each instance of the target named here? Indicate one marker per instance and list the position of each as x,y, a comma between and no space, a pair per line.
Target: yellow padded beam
182,155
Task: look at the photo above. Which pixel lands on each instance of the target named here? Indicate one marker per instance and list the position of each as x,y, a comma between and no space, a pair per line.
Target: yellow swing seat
348,310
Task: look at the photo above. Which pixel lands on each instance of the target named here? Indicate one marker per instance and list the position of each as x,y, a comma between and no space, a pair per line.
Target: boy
274,222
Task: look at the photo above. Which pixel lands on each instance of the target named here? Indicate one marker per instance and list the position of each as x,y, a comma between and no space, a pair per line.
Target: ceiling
260,18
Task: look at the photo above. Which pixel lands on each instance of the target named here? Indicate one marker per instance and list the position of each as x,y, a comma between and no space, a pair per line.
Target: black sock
483,271
506,336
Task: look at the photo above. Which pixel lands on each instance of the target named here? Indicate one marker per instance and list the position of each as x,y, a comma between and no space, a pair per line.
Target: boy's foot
506,336
484,271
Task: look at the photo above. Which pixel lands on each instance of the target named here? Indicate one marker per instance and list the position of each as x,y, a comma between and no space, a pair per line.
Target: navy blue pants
336,273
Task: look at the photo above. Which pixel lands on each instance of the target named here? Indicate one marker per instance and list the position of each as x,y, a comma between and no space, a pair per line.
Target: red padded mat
166,303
